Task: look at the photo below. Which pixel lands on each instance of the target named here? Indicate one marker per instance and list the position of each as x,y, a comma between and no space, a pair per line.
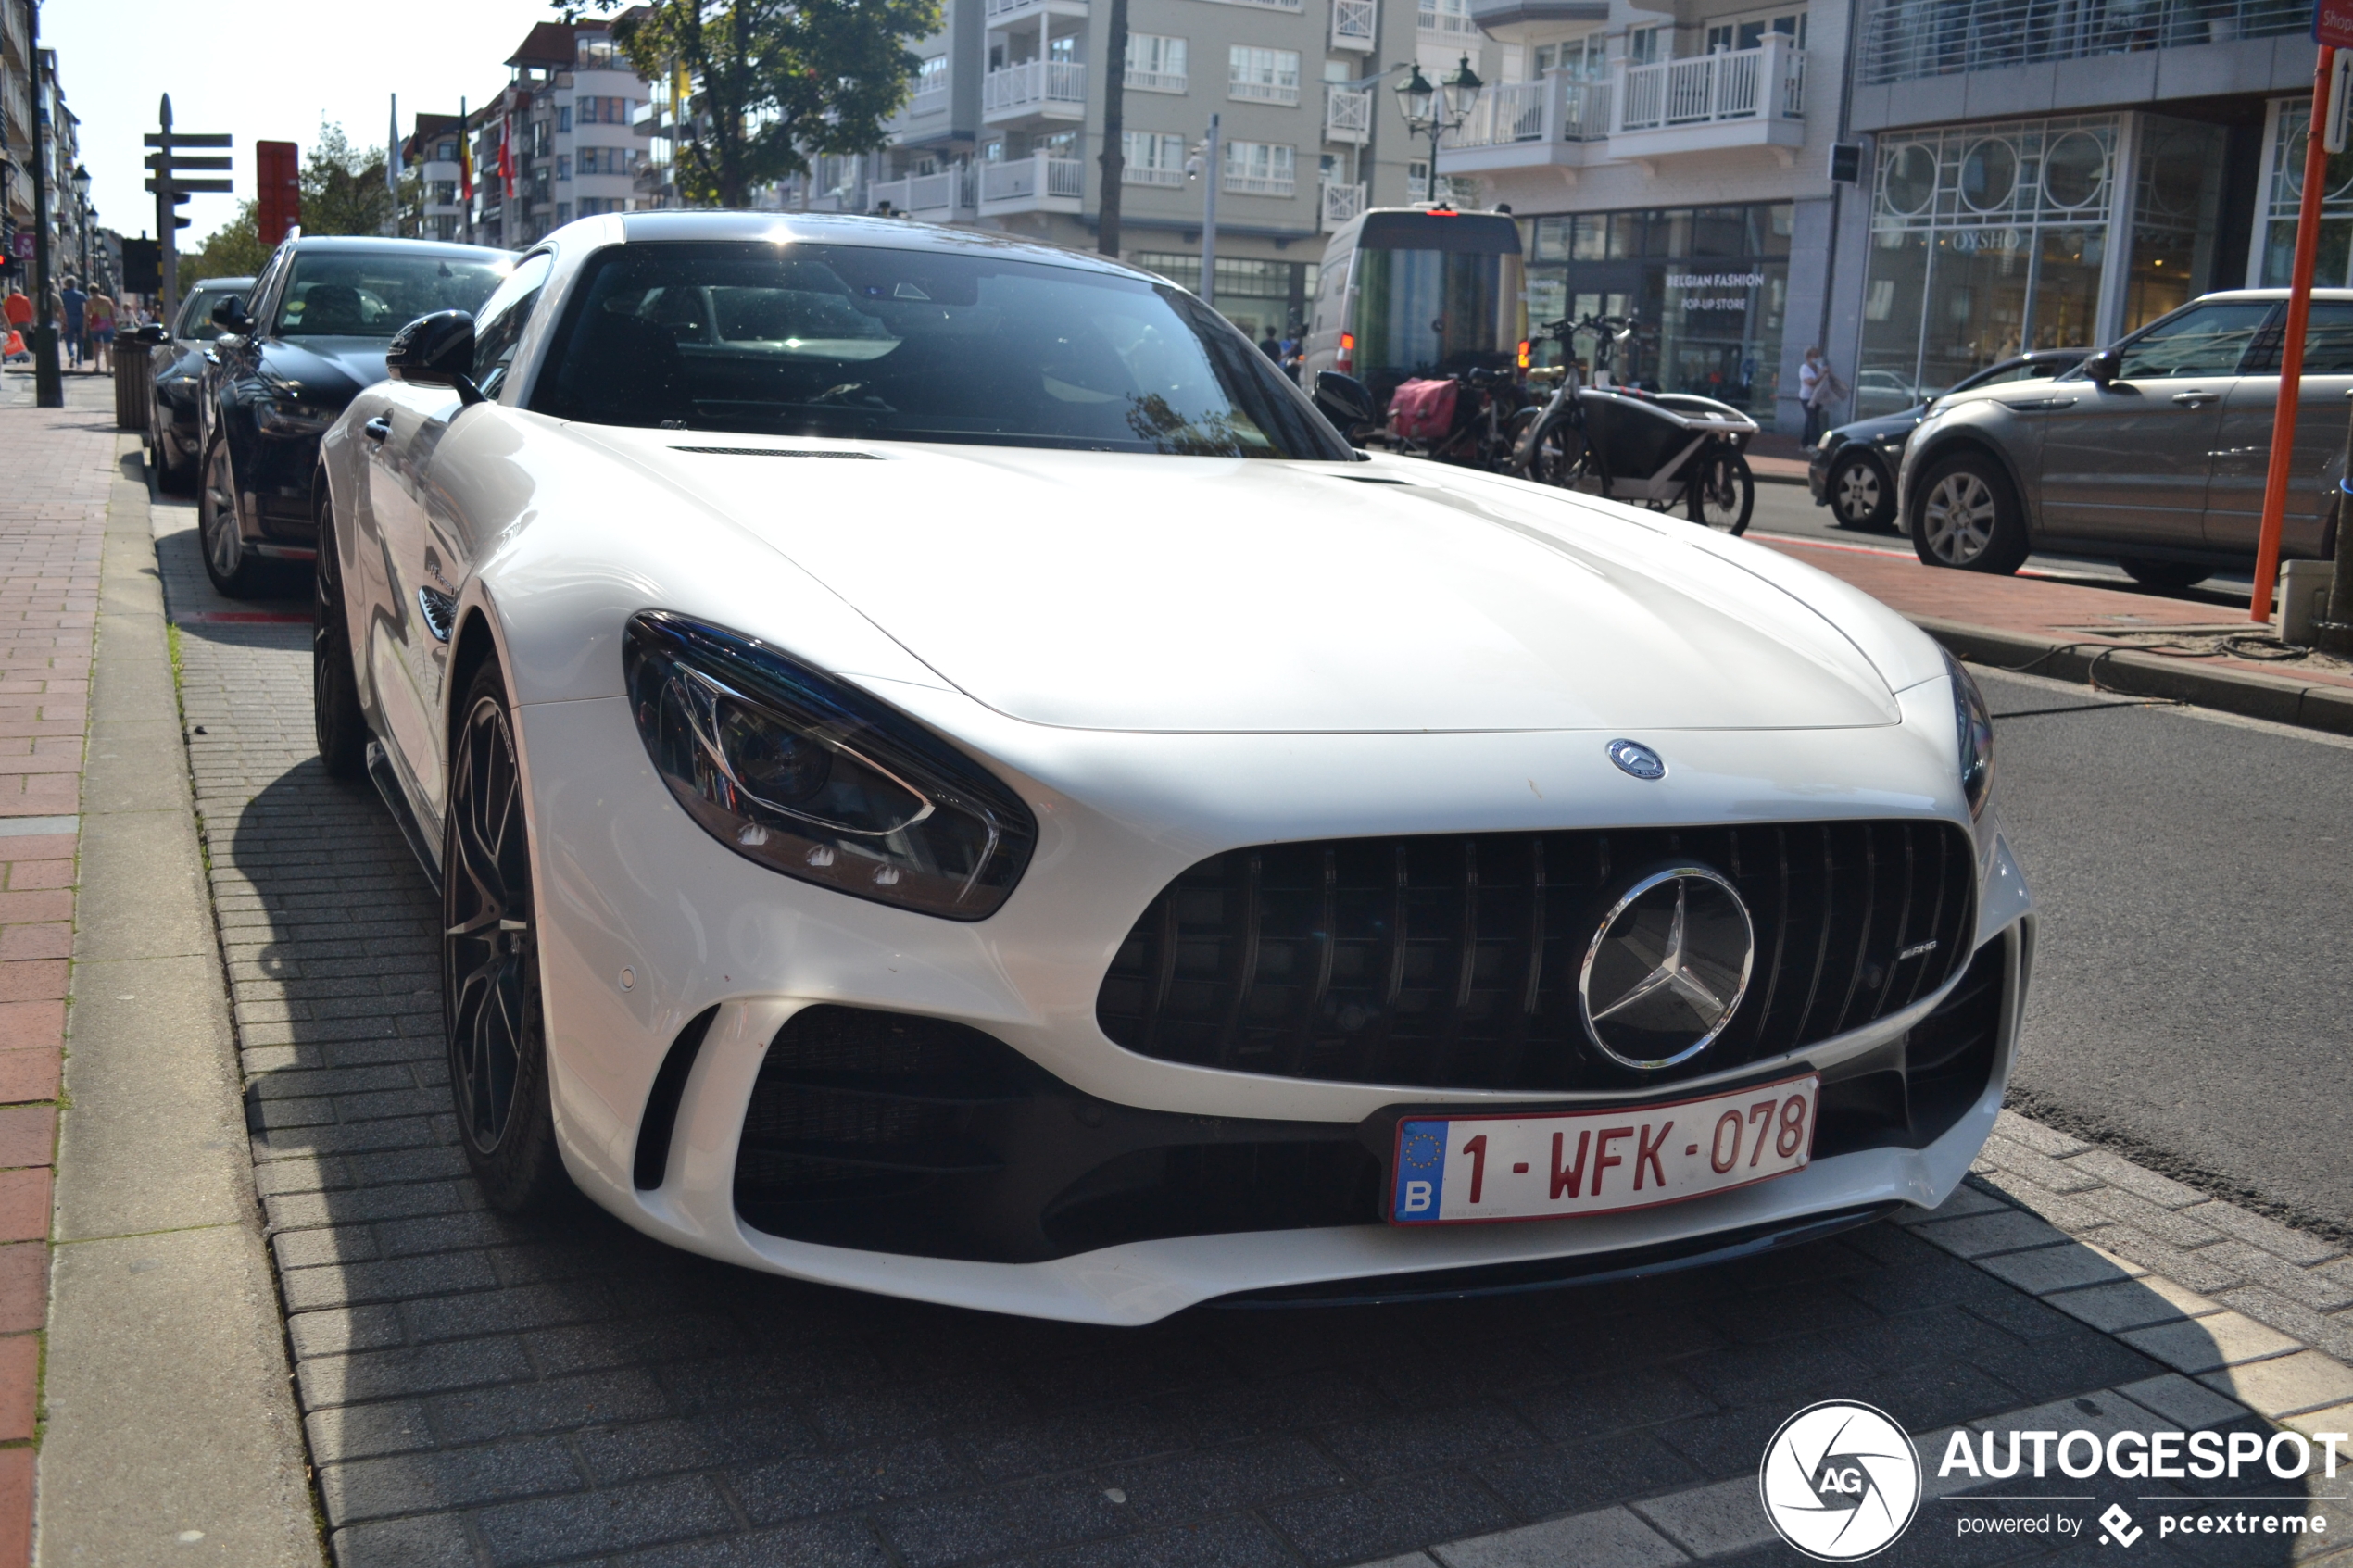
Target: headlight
809,778
1975,723
290,418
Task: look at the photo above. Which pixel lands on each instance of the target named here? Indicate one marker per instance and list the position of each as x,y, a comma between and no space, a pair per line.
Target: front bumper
648,925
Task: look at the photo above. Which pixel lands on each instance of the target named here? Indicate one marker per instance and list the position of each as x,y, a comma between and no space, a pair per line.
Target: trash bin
133,373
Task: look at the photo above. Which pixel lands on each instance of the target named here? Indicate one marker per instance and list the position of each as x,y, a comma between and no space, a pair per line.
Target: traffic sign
169,138
184,187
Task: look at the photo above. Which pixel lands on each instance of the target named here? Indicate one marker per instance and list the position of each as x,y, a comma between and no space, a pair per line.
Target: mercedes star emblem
1633,756
1666,968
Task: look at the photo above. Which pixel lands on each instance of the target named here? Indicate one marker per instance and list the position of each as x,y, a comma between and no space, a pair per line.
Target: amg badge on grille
1666,968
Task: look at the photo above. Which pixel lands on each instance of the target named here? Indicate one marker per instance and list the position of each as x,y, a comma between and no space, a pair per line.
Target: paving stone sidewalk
482,1392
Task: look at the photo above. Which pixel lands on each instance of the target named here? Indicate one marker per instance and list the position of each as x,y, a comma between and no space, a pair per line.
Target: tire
490,964
1861,496
235,570
2163,573
1967,517
1722,494
336,716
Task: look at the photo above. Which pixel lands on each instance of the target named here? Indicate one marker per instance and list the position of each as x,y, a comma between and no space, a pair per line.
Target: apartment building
30,88
566,122
1005,130
16,133
431,153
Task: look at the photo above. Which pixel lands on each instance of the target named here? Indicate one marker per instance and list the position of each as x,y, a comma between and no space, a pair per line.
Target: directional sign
193,185
173,160
188,139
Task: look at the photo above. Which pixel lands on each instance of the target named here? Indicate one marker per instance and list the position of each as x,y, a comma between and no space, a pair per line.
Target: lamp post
1207,165
1437,110
82,208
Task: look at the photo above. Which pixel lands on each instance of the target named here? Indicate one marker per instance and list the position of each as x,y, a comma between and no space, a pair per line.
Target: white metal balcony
1554,122
1353,22
1263,92
1260,185
1035,89
1447,19
1138,174
935,199
1340,203
1739,98
929,100
1347,115
1154,81
1001,12
1040,182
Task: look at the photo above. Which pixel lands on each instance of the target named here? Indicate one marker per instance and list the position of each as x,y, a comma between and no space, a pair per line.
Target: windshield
195,316
1435,312
916,345
376,293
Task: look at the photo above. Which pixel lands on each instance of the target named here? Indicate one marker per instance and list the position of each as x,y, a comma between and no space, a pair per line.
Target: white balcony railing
1155,80
1138,174
992,9
1348,114
1265,4
1034,84
1039,177
1342,203
1263,92
928,100
1353,22
926,196
1767,82
1553,109
1446,17
1261,184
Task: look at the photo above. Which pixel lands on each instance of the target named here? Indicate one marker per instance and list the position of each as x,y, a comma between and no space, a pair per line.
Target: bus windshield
1436,295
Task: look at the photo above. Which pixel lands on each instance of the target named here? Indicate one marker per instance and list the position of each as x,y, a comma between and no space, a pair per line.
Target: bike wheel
1562,456
1722,493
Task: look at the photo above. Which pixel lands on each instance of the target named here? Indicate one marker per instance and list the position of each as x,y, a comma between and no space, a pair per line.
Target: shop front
1708,287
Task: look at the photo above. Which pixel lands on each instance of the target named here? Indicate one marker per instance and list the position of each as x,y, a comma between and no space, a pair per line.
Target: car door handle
2197,399
376,429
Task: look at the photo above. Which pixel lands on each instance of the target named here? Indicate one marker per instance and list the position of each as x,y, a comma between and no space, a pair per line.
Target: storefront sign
1970,240
1726,279
2333,23
24,245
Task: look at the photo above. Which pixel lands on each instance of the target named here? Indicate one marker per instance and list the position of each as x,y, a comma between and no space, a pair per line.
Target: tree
777,81
1115,154
233,250
343,187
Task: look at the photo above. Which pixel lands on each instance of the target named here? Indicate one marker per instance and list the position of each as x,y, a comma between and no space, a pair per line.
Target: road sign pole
167,210
2300,311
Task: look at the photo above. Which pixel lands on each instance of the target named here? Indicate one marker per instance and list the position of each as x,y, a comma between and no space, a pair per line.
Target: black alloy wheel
1860,494
1722,493
2163,574
336,716
235,570
490,963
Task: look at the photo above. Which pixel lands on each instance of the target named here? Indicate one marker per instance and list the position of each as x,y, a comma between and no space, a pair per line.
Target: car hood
328,370
1117,592
1878,429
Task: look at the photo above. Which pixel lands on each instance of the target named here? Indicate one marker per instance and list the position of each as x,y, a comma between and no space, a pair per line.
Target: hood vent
774,452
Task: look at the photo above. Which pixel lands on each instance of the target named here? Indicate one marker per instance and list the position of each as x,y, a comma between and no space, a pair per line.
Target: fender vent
661,1101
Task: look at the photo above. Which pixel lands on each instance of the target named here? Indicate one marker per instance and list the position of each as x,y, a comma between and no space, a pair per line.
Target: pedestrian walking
101,311
19,312
1818,389
76,320
1271,346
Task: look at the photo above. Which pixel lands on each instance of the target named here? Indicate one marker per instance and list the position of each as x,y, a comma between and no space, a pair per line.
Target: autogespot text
2132,1456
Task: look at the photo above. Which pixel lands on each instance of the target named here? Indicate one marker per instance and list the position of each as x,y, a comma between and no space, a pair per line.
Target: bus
1419,291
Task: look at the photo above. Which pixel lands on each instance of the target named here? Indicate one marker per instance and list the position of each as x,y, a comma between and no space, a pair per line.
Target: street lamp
80,183
1438,110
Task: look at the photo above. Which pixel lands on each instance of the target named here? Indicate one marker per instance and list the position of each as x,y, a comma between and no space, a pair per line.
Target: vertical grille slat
1453,963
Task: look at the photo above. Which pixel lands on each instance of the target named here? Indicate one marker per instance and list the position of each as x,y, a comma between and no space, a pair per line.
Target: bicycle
1482,440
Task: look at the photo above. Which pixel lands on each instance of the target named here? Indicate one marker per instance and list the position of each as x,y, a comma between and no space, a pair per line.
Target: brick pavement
481,1391
53,513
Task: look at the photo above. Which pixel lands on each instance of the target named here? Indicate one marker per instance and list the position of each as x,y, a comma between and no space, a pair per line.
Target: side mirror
2104,367
436,350
153,333
230,314
1344,400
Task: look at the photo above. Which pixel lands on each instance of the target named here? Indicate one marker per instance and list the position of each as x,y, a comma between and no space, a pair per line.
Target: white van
1418,290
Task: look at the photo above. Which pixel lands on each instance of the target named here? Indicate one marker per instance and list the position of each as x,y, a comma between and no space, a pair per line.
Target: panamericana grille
1453,961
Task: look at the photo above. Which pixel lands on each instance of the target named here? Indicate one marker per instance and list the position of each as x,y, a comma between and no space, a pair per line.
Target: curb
2115,668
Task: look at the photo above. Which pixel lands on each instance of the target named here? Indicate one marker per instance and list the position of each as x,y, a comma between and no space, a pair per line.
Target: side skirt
395,800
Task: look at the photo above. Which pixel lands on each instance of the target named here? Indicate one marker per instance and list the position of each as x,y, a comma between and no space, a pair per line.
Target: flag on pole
392,148
506,159
465,157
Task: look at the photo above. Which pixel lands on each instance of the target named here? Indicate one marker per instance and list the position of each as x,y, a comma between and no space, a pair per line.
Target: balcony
1447,19
929,100
1040,182
934,198
1000,12
1263,92
1347,115
1259,184
1708,103
1034,90
1154,81
1138,174
1340,204
1354,23
1908,39
1265,5
1555,123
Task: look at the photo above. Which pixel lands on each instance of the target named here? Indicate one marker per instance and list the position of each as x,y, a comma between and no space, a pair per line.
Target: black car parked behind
175,417
290,357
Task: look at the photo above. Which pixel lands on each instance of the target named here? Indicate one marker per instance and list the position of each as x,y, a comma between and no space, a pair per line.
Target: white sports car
950,777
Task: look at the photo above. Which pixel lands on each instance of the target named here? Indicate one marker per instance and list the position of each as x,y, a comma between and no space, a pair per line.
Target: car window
195,316
2328,343
2206,340
905,344
376,292
499,324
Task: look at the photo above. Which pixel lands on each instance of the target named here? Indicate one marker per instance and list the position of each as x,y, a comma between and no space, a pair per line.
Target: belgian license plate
1465,1169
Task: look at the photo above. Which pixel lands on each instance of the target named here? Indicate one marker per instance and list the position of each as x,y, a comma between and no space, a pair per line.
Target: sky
263,70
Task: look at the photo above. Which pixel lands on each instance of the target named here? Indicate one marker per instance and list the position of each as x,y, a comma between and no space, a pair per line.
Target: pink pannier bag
1423,410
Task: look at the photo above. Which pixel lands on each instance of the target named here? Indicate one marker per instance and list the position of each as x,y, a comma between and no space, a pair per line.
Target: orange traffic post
2299,310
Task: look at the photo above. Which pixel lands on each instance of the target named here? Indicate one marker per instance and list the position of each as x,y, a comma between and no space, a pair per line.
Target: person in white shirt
1818,389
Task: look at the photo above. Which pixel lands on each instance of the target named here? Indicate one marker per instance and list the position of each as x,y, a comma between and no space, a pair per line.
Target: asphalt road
1789,509
2195,967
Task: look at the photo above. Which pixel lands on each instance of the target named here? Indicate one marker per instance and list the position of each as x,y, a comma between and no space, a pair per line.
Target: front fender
1927,448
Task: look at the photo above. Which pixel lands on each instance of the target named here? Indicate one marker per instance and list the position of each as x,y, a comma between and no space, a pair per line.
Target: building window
596,53
1151,159
1260,169
1155,64
1748,33
445,152
564,116
2282,197
1645,45
563,213
931,77
1268,76
563,166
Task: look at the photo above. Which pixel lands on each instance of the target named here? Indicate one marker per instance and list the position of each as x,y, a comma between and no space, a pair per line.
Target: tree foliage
233,250
775,81
343,187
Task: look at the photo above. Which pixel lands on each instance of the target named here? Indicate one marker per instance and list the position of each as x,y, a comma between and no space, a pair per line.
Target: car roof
2338,296
364,243
897,234
224,282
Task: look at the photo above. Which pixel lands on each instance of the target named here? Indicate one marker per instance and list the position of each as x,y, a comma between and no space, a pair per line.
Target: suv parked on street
2152,452
290,356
